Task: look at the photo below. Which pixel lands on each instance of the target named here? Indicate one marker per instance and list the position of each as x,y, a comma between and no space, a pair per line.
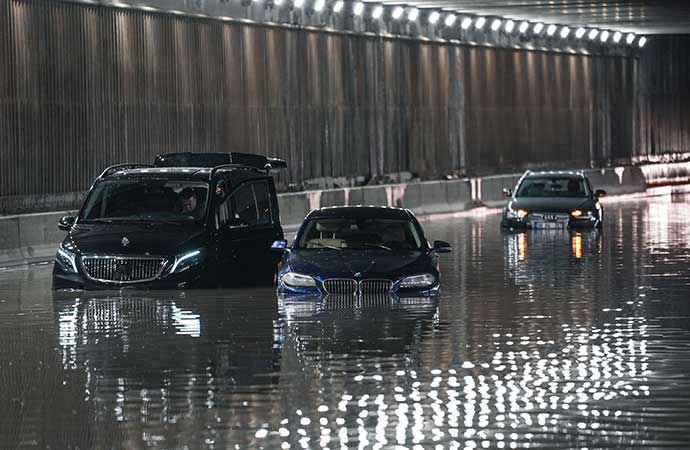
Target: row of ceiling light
479,22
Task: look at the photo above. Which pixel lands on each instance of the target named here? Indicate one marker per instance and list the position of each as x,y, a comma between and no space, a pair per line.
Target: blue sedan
360,250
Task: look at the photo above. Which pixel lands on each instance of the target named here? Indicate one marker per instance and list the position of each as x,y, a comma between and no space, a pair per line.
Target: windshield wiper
169,222
98,221
385,247
320,245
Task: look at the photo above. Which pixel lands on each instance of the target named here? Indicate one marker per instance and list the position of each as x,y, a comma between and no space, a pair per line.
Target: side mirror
65,223
599,193
441,247
280,246
507,192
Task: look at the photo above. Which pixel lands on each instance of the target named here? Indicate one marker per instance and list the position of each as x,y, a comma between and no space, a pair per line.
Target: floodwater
540,339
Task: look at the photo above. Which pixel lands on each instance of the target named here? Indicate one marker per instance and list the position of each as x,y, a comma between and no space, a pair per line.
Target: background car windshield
147,199
552,187
346,233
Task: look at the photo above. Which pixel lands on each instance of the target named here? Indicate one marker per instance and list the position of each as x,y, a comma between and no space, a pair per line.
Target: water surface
542,340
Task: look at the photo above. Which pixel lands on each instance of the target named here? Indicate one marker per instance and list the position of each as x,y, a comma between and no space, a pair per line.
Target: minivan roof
202,173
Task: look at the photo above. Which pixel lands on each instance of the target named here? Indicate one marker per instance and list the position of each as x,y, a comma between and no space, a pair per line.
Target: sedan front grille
340,286
375,286
338,302
122,269
351,287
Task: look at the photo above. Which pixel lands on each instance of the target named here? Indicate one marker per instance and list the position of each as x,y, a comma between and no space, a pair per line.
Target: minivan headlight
298,280
418,281
185,261
66,260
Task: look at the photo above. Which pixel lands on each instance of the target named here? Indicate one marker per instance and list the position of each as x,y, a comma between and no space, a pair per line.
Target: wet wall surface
542,340
134,84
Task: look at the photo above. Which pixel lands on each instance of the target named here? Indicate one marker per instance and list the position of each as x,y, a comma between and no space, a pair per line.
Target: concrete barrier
30,204
430,197
617,180
666,174
31,238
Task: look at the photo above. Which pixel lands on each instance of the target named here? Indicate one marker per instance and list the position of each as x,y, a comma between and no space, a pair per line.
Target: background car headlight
186,260
516,213
66,260
298,280
418,281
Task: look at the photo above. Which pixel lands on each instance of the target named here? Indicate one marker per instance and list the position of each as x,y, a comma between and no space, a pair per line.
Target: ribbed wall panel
665,96
82,87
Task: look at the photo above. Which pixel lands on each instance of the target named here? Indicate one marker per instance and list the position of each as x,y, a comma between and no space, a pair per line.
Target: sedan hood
136,239
551,204
329,263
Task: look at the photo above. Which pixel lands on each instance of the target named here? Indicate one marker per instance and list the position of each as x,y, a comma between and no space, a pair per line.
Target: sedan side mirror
65,223
441,247
507,192
599,193
280,246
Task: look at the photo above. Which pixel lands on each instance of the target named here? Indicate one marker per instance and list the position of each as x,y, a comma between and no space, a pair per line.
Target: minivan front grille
340,286
122,269
375,286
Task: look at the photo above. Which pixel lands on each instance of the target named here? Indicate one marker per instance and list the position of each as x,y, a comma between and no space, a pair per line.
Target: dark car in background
553,200
188,220
360,250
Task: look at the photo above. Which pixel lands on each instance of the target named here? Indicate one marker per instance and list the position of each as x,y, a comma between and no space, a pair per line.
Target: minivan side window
244,204
250,205
263,202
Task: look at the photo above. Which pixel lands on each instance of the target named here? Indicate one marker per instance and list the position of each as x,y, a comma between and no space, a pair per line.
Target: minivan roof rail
215,160
117,167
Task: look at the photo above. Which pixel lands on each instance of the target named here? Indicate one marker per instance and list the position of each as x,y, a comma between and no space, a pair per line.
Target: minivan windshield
360,233
552,186
149,199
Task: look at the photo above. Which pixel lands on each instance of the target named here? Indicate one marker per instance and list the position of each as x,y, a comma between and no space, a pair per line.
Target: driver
189,201
574,188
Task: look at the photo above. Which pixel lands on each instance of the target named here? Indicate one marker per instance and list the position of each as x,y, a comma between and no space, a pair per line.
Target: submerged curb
33,238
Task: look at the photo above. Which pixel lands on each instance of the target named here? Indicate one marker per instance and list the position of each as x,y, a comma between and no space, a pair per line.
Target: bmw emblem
124,241
358,274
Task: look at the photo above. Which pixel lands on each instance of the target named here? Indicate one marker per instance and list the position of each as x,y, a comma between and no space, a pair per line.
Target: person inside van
189,202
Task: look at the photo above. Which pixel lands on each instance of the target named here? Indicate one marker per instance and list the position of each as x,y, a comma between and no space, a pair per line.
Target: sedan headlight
298,280
66,260
418,281
580,213
186,261
516,213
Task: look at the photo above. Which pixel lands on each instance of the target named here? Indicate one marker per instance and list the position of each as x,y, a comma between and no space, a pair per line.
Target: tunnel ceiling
639,16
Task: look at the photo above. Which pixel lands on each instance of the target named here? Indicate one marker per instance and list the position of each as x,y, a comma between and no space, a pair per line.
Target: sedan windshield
150,199
368,233
552,187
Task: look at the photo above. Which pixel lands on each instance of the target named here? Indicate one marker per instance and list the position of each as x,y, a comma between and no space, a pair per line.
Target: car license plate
548,225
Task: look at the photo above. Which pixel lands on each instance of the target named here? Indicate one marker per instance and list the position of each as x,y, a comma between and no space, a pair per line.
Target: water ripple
539,340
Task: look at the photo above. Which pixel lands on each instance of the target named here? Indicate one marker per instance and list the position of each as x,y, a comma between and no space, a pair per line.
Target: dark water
545,340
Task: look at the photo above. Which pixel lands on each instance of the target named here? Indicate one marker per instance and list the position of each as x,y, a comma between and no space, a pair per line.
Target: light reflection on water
542,340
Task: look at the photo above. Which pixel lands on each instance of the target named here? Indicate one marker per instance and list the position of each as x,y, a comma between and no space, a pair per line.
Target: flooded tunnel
342,224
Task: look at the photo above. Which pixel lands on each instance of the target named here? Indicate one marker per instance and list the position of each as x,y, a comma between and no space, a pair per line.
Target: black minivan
188,220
